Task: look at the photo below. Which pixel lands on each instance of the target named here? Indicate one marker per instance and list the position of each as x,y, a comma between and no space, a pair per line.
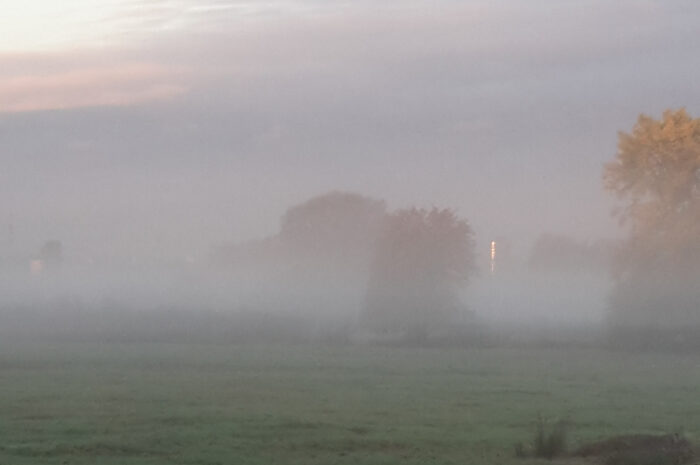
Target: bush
640,449
550,441
519,450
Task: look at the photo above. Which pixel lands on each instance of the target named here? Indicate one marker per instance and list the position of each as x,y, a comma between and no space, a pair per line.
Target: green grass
230,404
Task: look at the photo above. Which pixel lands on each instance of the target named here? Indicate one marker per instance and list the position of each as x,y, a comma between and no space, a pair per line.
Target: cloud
494,108
115,84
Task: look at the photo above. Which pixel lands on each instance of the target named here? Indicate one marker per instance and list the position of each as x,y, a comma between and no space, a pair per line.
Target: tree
337,228
562,254
656,174
422,260
335,231
327,244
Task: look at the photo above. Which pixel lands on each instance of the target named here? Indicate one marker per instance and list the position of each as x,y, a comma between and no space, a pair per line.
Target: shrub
550,440
640,449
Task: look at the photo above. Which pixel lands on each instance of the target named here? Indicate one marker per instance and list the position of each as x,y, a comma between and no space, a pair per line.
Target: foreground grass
229,404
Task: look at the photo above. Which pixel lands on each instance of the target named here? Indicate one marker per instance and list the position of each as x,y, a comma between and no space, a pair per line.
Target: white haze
145,153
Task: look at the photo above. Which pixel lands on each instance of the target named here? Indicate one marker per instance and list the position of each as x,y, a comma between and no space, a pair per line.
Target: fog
152,167
309,281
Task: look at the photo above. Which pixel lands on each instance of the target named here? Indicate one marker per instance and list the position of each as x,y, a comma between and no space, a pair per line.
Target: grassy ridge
247,404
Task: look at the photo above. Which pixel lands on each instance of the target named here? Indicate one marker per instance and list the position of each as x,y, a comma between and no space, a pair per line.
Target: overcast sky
152,128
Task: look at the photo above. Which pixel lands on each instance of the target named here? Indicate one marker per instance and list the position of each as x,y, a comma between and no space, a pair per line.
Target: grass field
230,404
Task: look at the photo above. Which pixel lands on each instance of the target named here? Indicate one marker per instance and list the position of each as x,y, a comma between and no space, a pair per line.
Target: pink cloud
117,84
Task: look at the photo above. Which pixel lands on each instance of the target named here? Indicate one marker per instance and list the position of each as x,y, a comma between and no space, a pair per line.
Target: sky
153,129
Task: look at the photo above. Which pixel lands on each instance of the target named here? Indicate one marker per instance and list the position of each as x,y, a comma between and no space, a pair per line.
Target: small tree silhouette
422,259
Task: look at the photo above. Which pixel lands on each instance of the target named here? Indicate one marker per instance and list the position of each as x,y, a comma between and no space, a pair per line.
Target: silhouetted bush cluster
550,440
640,449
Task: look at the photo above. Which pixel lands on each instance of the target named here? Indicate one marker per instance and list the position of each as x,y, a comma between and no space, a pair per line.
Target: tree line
413,263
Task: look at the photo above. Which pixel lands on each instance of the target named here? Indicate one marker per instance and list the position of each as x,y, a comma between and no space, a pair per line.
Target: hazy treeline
343,267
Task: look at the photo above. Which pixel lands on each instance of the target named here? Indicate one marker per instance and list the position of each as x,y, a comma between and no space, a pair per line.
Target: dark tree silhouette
340,228
557,253
422,260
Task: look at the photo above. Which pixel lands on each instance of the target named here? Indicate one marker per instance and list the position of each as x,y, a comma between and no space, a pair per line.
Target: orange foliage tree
656,174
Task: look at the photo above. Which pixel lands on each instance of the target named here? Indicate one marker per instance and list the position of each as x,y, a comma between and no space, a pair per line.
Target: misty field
248,404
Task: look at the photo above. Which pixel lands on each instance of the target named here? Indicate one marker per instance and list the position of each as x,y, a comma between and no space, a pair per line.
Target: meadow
207,404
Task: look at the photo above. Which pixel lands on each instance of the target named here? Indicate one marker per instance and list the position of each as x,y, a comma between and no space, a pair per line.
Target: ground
86,403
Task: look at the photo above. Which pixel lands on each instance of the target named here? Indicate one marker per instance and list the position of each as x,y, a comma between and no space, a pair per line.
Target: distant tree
656,173
560,253
51,254
319,259
335,230
422,260
337,227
